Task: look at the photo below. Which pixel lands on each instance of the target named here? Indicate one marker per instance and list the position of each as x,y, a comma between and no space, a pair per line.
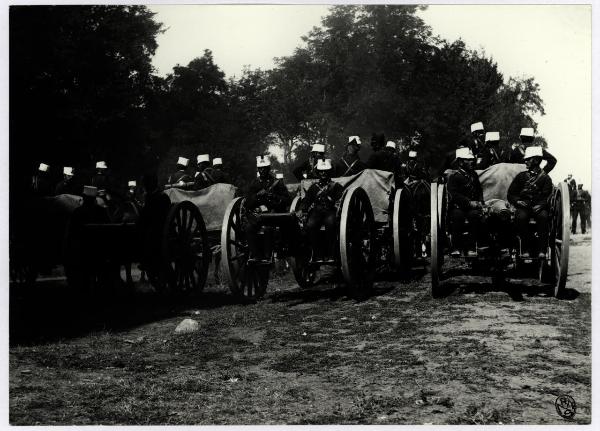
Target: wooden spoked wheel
403,248
357,241
437,233
559,237
245,281
185,250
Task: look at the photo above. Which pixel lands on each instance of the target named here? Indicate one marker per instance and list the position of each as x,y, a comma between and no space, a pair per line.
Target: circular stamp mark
565,406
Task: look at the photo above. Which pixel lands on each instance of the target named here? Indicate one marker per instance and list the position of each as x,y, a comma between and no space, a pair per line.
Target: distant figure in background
40,182
579,208
308,168
205,174
180,177
217,171
350,163
517,154
68,184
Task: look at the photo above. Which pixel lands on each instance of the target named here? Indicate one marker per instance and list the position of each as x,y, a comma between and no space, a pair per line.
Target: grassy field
477,356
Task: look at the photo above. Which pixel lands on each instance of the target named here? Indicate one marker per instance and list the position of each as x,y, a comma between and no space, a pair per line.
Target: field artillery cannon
495,182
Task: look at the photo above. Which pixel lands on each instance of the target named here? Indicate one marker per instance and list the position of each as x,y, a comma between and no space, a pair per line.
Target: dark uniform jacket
532,188
582,198
41,185
322,197
69,187
572,184
220,176
179,175
384,160
464,187
305,168
205,178
517,155
271,193
349,165
491,155
102,182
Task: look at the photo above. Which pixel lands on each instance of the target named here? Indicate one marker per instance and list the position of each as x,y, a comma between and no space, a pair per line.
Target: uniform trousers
578,210
522,217
457,218
316,219
258,249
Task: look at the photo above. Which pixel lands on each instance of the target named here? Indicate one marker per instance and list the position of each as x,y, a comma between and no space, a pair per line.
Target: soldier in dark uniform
491,154
580,206
320,207
133,194
217,173
466,200
572,185
380,159
307,169
529,193
517,154
68,185
265,194
40,182
350,163
180,178
205,174
477,143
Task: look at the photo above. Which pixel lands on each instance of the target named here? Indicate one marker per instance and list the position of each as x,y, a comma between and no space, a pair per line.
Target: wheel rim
356,240
435,251
186,251
559,238
244,280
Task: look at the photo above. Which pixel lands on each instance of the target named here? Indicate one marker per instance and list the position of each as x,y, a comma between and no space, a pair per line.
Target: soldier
477,139
101,181
307,169
204,175
380,159
529,193
217,172
415,168
350,163
320,207
580,205
40,182
133,194
466,200
517,154
180,177
265,194
491,153
68,185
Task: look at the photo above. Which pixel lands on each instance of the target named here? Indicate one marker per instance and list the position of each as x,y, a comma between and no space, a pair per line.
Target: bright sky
552,43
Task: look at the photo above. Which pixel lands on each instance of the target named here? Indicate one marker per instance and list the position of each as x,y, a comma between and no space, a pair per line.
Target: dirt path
300,357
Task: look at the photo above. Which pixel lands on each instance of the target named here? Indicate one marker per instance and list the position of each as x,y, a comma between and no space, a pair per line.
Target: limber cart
495,182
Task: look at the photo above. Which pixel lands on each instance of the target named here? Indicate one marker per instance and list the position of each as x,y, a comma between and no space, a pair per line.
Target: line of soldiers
581,205
204,175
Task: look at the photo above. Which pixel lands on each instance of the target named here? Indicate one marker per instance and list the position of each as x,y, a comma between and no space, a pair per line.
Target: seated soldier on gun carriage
491,154
180,178
307,169
205,174
265,194
350,163
466,202
68,185
217,173
319,205
517,154
529,193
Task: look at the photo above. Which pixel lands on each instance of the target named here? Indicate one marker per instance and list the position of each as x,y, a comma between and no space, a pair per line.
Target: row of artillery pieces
379,229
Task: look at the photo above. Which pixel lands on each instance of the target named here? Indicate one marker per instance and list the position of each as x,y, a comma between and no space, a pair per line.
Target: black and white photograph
298,214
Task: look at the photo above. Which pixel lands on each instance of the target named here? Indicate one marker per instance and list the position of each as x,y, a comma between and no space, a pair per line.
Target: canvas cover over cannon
495,182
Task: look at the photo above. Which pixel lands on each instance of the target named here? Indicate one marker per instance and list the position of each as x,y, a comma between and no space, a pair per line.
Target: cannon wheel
559,238
403,247
438,199
186,252
244,281
357,241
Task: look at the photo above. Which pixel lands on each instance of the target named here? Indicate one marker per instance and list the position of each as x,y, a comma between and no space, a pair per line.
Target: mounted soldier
517,154
204,175
40,182
265,194
350,163
308,168
68,184
529,194
320,207
180,178
466,201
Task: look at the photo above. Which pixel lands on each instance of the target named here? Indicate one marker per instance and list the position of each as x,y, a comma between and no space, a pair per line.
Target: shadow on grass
49,311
